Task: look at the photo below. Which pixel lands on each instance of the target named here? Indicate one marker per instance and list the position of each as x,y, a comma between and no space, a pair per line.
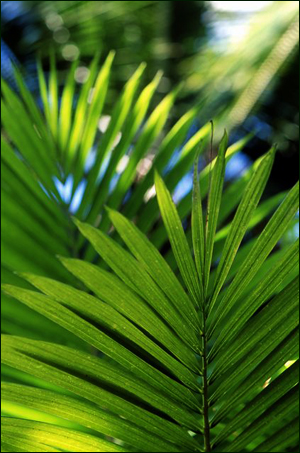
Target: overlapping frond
200,359
66,157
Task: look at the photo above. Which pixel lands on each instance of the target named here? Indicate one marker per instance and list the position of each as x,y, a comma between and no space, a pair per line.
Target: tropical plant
112,346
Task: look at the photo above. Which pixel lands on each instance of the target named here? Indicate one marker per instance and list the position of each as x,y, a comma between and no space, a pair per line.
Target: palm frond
163,365
56,161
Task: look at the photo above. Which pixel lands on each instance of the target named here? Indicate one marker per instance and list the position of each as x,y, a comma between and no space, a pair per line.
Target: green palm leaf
43,151
195,351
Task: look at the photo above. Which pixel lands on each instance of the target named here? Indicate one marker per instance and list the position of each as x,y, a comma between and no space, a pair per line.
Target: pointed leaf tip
77,222
109,210
112,214
223,144
112,54
273,151
198,152
274,148
83,227
143,65
225,135
61,258
157,177
158,75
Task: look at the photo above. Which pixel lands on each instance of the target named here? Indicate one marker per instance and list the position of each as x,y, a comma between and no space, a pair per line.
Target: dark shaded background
176,36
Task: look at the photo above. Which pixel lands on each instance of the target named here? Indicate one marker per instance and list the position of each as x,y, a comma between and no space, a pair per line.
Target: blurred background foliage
238,61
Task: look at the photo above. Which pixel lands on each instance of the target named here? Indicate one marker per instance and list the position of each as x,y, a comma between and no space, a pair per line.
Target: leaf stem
207,446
